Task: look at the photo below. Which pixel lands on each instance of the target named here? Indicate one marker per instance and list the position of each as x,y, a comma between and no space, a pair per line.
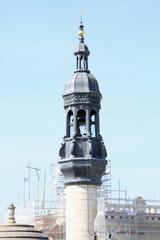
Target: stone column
88,127
81,210
75,121
97,124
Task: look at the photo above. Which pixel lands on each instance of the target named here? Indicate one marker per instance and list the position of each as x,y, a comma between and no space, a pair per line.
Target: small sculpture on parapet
11,214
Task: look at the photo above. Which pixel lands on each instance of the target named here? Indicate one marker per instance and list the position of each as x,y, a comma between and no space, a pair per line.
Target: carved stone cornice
78,98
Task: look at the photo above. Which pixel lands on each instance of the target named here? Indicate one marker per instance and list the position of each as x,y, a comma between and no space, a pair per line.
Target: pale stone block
81,210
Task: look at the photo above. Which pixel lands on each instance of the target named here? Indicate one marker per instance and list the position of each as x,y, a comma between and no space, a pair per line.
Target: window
81,123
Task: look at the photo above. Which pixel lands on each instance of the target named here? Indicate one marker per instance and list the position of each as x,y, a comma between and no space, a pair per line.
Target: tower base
81,210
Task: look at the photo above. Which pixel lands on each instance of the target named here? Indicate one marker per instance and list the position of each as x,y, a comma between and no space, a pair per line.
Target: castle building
83,153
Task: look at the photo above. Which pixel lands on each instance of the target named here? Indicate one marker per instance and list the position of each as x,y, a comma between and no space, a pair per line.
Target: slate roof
82,82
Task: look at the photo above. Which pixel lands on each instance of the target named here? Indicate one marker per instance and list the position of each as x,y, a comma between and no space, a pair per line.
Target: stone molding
84,98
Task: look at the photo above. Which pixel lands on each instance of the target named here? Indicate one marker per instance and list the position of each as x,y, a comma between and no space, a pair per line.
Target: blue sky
37,40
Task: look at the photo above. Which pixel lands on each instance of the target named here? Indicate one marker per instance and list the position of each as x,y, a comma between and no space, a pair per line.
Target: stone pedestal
81,210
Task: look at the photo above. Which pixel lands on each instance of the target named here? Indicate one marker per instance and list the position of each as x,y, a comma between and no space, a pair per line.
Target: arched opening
93,123
70,120
77,62
81,123
80,65
86,63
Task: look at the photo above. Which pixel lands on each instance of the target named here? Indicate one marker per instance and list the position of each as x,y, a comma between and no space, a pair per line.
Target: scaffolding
105,190
116,212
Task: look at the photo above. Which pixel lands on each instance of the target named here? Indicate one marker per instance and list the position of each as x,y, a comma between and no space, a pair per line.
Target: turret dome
82,49
82,82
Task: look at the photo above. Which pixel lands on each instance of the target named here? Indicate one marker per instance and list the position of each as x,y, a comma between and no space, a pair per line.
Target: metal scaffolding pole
37,170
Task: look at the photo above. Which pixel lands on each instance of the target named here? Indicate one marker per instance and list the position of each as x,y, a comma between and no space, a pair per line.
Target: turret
82,154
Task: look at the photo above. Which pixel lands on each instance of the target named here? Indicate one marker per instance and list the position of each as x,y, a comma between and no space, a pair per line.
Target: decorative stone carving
11,213
72,148
62,150
89,148
104,151
79,98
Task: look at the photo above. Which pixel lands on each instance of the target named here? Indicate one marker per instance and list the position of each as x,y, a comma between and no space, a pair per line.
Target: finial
81,31
11,213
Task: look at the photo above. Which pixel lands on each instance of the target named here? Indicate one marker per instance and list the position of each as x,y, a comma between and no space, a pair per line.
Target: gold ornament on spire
81,33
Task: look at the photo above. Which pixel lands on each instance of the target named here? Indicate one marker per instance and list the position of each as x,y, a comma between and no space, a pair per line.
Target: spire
82,81
82,52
